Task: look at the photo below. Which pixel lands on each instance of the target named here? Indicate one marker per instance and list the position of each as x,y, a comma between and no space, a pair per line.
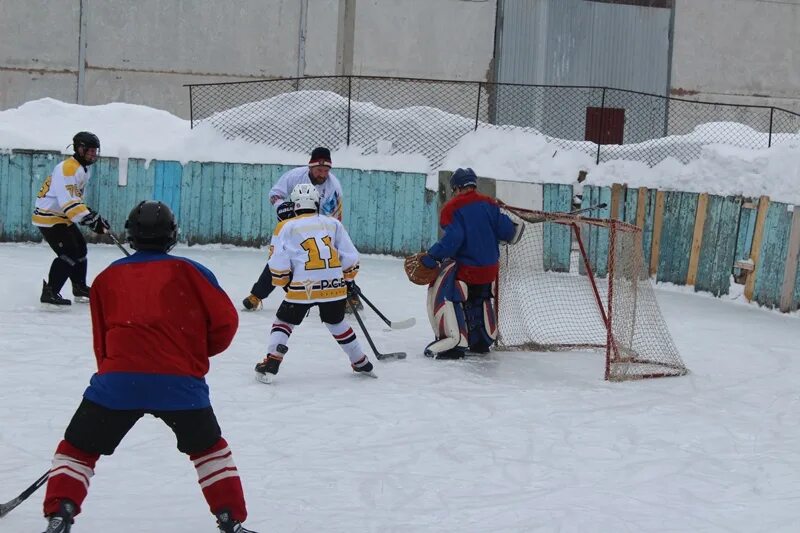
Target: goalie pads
446,312
480,316
418,273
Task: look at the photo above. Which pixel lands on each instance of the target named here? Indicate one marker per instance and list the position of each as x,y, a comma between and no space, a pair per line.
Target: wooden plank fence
386,212
693,239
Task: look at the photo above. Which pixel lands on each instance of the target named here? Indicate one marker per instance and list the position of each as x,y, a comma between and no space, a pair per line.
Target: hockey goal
577,283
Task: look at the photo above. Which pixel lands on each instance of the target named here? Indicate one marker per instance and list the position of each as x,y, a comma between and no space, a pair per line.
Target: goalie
466,257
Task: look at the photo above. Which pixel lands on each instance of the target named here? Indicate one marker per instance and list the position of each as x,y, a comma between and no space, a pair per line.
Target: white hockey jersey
60,200
330,192
313,256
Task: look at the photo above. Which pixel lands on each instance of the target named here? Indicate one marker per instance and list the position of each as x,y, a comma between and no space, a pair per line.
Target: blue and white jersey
330,192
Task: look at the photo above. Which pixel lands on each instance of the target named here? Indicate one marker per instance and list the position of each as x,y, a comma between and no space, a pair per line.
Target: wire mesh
551,304
429,117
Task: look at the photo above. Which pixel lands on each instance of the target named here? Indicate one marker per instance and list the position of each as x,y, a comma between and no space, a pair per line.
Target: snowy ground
518,442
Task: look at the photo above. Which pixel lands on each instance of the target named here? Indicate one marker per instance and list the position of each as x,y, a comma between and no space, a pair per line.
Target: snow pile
419,139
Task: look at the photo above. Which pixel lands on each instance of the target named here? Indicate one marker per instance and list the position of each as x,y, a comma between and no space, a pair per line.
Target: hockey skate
227,525
81,292
51,297
453,353
252,303
364,367
268,368
61,521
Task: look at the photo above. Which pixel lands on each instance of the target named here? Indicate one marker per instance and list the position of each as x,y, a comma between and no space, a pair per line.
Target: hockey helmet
305,197
151,226
286,210
463,177
85,140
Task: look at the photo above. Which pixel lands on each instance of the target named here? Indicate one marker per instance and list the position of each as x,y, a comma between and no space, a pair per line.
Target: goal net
575,283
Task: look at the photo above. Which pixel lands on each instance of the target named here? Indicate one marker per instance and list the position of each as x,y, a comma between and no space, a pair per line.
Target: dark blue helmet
463,177
286,210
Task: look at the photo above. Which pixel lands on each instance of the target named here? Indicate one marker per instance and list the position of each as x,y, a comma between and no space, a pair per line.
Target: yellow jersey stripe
296,295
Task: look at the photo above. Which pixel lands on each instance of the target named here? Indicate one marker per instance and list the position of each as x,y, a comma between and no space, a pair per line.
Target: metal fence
402,115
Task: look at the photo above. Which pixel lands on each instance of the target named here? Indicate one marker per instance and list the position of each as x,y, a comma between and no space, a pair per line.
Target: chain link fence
429,117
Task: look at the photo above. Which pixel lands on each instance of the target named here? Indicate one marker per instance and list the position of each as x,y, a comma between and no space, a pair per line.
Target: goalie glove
95,222
418,271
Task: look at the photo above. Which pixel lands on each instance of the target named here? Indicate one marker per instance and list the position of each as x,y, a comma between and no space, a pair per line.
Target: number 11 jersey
313,256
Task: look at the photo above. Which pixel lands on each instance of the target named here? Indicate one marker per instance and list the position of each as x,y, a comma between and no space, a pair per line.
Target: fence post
349,99
191,109
600,133
771,115
478,108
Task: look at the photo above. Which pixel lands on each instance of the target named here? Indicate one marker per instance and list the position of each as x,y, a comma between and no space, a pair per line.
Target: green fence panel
595,239
557,237
677,232
718,247
772,257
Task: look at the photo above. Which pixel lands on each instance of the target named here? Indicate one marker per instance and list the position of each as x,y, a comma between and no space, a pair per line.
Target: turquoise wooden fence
687,238
385,212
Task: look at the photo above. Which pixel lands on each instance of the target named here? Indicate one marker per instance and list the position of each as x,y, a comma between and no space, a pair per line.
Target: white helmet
305,196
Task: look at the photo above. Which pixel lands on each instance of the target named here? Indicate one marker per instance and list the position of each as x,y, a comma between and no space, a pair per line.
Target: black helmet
84,139
151,226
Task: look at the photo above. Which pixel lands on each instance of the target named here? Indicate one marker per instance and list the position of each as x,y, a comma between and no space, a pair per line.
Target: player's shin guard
219,480
481,320
69,477
347,339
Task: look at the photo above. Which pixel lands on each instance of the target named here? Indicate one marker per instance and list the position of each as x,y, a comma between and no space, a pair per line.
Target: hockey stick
602,205
9,506
590,208
403,324
124,251
378,355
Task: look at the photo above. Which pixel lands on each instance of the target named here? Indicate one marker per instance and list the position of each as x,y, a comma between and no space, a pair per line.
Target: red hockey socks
69,477
219,480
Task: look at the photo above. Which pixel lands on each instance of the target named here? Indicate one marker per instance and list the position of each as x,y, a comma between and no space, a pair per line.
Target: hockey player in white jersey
318,173
313,257
58,211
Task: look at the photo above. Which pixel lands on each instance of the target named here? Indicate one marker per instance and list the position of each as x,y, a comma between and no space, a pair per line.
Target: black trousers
294,313
70,247
97,429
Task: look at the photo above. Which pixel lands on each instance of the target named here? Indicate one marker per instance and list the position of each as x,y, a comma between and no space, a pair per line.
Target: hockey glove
429,261
417,271
352,289
95,222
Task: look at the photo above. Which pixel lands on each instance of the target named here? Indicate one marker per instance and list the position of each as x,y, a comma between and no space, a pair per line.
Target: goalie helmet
151,226
305,197
463,177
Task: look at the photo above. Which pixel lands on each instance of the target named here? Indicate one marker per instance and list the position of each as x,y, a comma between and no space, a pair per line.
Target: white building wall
738,51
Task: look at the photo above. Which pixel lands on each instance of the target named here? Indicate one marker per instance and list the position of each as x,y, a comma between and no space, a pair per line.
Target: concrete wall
142,52
442,39
39,44
738,51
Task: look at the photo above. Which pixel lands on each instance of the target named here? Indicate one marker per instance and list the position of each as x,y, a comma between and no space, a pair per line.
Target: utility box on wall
605,125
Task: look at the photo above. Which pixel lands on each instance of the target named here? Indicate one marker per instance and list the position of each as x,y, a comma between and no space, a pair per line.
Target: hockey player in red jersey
156,320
